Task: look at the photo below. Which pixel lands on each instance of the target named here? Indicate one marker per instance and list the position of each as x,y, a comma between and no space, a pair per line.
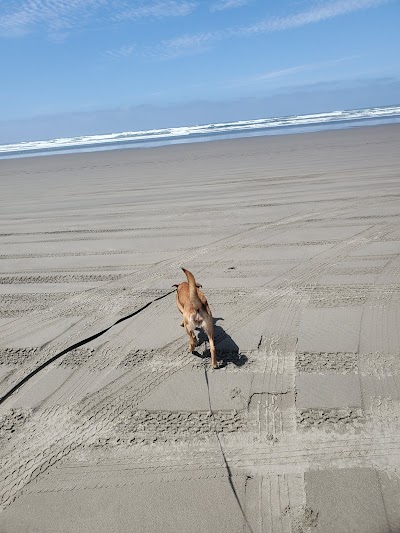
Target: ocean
206,132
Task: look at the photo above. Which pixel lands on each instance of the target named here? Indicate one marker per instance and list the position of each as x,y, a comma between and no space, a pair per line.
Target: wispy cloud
58,18
194,43
119,53
157,9
290,71
321,12
183,45
20,17
222,5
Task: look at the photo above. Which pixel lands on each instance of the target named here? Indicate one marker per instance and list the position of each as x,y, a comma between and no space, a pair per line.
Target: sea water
206,132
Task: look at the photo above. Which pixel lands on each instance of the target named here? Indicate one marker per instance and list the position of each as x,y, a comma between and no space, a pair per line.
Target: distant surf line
206,132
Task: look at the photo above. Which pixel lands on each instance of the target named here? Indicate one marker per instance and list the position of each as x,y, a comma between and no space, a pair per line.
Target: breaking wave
241,128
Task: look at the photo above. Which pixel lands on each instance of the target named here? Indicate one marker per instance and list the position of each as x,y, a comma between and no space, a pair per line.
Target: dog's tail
193,296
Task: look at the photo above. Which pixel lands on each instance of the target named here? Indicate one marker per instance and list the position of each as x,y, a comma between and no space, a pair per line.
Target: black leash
74,346
31,374
228,469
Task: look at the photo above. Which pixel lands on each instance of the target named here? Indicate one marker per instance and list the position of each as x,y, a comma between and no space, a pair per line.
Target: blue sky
72,67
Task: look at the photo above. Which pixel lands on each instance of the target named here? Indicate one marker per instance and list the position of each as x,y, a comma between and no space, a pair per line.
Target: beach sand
296,241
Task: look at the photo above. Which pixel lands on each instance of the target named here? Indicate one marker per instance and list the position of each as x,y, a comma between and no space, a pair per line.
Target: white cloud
195,43
290,71
183,45
157,9
59,17
21,17
222,5
321,12
119,53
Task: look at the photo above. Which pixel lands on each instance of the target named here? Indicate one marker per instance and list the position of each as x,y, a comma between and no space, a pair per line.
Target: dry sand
296,240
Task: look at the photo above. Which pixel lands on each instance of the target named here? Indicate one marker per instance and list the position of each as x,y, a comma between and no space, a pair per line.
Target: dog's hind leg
192,341
208,327
214,362
192,336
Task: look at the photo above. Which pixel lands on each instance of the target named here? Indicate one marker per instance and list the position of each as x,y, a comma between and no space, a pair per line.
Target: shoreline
222,144
198,138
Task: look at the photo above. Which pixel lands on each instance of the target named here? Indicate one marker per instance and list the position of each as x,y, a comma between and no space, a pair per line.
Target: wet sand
296,241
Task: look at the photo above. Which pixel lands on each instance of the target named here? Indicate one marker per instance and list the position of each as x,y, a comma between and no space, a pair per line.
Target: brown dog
196,312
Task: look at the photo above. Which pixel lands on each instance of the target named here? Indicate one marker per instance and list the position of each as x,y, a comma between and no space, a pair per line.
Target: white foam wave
168,134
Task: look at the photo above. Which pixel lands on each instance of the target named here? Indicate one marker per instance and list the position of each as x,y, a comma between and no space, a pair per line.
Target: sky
77,67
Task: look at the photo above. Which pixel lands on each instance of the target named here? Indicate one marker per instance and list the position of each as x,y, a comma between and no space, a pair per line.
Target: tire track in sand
34,464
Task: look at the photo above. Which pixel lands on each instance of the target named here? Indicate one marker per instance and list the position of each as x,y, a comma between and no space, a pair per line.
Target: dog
196,312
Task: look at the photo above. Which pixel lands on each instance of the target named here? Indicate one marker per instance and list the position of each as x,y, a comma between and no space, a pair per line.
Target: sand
296,240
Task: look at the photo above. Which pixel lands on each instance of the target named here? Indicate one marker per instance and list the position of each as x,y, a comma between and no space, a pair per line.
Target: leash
227,467
46,363
74,346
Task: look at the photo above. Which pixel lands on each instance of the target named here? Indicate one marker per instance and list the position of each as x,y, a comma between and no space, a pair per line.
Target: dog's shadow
228,354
